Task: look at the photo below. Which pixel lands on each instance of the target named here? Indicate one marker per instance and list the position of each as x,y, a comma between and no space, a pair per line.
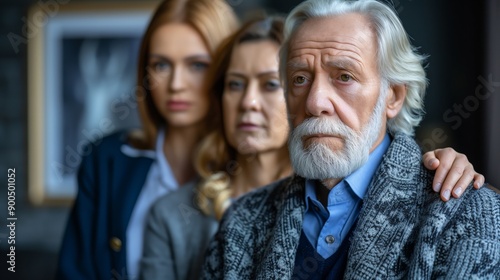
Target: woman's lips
178,106
245,126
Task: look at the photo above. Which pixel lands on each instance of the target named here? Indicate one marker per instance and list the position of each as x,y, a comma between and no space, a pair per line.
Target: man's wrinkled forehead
342,26
348,35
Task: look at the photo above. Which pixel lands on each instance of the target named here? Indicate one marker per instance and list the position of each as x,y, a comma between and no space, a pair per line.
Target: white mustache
322,126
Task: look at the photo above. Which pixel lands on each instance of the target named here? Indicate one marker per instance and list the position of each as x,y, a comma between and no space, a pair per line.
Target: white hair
398,61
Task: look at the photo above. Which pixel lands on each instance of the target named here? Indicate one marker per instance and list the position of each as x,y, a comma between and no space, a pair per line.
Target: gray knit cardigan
404,230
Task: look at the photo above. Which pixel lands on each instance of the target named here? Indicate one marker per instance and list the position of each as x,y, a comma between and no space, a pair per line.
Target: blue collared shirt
327,228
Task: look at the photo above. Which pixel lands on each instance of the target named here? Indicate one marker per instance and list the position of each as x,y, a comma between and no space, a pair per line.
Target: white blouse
159,181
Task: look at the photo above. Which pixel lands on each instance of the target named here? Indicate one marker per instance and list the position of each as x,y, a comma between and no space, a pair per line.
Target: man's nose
319,99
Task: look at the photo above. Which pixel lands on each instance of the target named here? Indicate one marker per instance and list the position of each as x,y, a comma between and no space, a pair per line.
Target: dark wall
451,33
493,116
38,230
453,37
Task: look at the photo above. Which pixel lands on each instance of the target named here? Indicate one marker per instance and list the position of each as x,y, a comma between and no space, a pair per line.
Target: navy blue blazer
109,183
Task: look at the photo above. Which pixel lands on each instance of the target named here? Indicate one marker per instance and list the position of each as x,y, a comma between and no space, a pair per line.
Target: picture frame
82,59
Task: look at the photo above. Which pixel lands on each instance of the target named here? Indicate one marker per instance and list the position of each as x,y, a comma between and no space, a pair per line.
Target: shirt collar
310,192
166,174
360,179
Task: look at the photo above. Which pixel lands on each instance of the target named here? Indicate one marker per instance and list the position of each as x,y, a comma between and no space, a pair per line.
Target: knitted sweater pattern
404,230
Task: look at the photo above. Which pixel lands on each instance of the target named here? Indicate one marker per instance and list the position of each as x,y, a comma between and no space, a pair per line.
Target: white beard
320,162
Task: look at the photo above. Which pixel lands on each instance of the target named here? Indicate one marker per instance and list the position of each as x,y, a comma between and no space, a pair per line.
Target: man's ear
395,99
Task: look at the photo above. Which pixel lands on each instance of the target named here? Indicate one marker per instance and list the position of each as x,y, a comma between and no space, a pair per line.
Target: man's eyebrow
342,63
294,64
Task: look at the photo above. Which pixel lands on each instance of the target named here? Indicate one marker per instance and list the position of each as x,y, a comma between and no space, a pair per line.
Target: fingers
478,181
430,161
453,175
459,187
445,158
459,176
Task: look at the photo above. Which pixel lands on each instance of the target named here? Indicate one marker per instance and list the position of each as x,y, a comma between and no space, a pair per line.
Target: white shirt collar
166,176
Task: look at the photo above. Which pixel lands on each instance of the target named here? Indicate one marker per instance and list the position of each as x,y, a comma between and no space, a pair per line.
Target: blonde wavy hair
213,19
216,159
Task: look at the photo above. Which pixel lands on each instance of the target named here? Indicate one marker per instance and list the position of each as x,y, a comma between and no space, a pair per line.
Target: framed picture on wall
82,60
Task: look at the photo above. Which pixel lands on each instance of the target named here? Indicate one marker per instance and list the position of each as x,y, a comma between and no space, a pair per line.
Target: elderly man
360,204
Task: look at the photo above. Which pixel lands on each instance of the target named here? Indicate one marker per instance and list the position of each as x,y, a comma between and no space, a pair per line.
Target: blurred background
462,39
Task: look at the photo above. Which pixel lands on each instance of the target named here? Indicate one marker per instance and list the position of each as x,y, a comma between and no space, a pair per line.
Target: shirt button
329,239
115,244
